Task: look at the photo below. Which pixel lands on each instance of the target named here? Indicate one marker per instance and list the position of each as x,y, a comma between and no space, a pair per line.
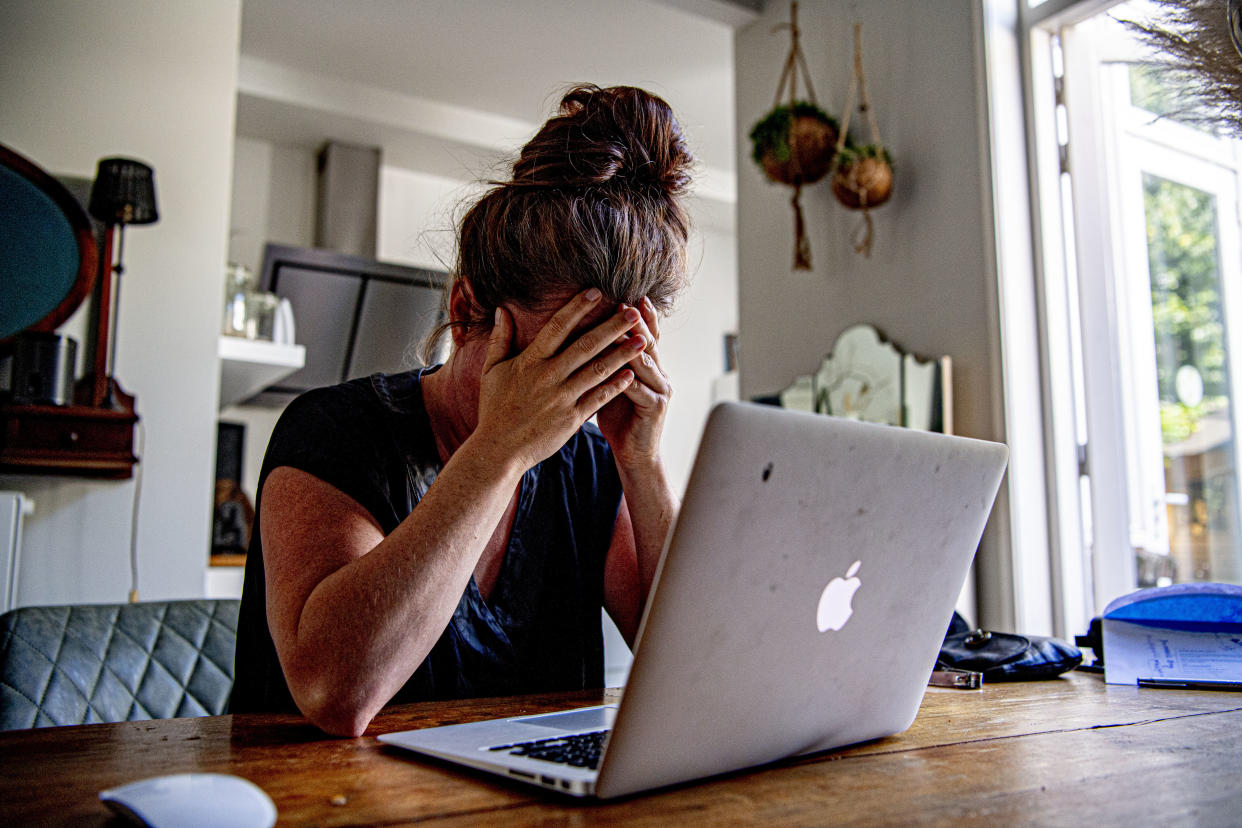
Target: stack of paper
1187,631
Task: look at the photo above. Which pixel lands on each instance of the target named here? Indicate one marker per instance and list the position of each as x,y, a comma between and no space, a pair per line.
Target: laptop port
523,774
547,780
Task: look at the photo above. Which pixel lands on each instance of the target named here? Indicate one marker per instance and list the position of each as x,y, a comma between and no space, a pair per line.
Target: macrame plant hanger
850,190
789,79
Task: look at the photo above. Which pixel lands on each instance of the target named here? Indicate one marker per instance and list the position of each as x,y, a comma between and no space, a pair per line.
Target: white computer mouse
209,800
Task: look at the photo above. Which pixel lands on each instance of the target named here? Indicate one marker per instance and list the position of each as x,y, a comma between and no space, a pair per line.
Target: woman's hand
532,403
633,422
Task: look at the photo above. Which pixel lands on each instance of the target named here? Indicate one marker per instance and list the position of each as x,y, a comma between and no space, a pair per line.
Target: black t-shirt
539,630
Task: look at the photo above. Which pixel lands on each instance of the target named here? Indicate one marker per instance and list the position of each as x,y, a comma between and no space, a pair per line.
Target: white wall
249,204
928,282
273,199
157,81
418,214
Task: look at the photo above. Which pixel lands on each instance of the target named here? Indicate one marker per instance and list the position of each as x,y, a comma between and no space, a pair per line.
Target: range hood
347,199
355,314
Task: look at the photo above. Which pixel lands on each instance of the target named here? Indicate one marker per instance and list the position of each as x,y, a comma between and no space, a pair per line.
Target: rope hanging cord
858,85
802,245
848,183
799,174
793,61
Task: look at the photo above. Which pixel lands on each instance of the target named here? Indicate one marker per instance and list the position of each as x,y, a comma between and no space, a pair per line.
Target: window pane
1151,90
1192,374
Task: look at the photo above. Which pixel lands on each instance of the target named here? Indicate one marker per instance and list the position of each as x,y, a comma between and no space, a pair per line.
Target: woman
455,531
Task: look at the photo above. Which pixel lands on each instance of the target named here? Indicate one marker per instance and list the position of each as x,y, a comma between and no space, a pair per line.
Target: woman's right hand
532,403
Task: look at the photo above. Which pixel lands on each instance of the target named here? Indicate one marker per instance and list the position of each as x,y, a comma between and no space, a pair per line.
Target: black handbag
1005,656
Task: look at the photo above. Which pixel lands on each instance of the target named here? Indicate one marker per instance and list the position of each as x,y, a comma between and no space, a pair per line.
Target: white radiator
13,507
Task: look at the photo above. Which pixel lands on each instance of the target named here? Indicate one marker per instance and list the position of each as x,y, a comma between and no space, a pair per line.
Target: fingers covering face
499,340
593,344
647,365
613,356
553,335
651,318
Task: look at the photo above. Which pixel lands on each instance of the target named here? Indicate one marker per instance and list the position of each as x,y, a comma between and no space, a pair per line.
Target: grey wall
927,284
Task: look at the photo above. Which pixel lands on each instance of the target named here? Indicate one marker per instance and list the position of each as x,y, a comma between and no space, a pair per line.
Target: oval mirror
50,256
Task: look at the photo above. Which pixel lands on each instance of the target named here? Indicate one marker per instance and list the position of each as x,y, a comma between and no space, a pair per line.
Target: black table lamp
123,193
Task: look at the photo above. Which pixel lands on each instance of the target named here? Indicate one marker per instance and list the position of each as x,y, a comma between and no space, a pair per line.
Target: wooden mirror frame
82,440
84,235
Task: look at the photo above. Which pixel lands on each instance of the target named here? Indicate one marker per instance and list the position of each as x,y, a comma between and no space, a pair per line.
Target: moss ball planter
795,145
863,177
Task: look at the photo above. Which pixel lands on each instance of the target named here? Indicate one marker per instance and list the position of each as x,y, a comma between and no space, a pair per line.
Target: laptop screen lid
803,594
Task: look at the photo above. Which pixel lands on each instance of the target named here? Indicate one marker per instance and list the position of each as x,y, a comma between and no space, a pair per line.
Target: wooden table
1068,752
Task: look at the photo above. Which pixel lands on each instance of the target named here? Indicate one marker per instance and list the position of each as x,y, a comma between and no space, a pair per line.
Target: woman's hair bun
596,200
617,134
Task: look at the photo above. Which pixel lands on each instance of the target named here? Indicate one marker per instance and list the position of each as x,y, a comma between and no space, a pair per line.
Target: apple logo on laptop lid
835,603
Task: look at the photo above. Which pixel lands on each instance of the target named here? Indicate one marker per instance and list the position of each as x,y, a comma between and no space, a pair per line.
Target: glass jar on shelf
260,315
248,313
238,282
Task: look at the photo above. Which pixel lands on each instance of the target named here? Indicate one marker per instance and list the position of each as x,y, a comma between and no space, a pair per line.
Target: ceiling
509,58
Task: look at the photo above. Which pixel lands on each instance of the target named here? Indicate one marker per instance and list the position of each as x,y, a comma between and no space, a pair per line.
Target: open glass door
1157,272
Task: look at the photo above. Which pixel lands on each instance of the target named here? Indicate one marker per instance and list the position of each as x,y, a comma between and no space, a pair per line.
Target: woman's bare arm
637,542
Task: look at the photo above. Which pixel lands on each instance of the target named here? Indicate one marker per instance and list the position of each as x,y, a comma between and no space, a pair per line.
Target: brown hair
594,201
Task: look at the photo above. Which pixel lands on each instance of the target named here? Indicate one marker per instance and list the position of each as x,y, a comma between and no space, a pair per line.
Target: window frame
1079,585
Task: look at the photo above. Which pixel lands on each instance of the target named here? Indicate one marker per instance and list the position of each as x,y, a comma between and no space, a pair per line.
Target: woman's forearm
365,628
653,509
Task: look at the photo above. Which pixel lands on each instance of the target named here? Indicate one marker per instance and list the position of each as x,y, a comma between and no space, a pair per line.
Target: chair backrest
79,664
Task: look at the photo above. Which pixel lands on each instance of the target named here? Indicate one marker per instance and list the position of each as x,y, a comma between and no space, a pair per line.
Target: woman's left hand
633,422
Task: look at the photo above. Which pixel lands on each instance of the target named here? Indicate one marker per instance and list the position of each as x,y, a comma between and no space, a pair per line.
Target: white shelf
247,366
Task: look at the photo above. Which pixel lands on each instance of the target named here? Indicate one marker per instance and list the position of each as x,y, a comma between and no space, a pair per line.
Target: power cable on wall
133,524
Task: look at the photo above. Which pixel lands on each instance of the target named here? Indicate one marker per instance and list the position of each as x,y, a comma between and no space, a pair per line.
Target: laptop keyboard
580,750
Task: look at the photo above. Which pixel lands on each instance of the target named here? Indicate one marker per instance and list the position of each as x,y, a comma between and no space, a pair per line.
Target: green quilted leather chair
80,664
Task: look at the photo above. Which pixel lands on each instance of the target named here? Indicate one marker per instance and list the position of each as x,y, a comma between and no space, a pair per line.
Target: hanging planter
794,143
862,177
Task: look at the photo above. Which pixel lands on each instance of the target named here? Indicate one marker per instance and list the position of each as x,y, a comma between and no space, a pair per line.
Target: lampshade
123,192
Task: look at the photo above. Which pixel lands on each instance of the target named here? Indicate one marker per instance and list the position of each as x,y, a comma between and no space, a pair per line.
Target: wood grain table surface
1072,751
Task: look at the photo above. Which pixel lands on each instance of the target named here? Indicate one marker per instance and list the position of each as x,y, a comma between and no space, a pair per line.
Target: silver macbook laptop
799,606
